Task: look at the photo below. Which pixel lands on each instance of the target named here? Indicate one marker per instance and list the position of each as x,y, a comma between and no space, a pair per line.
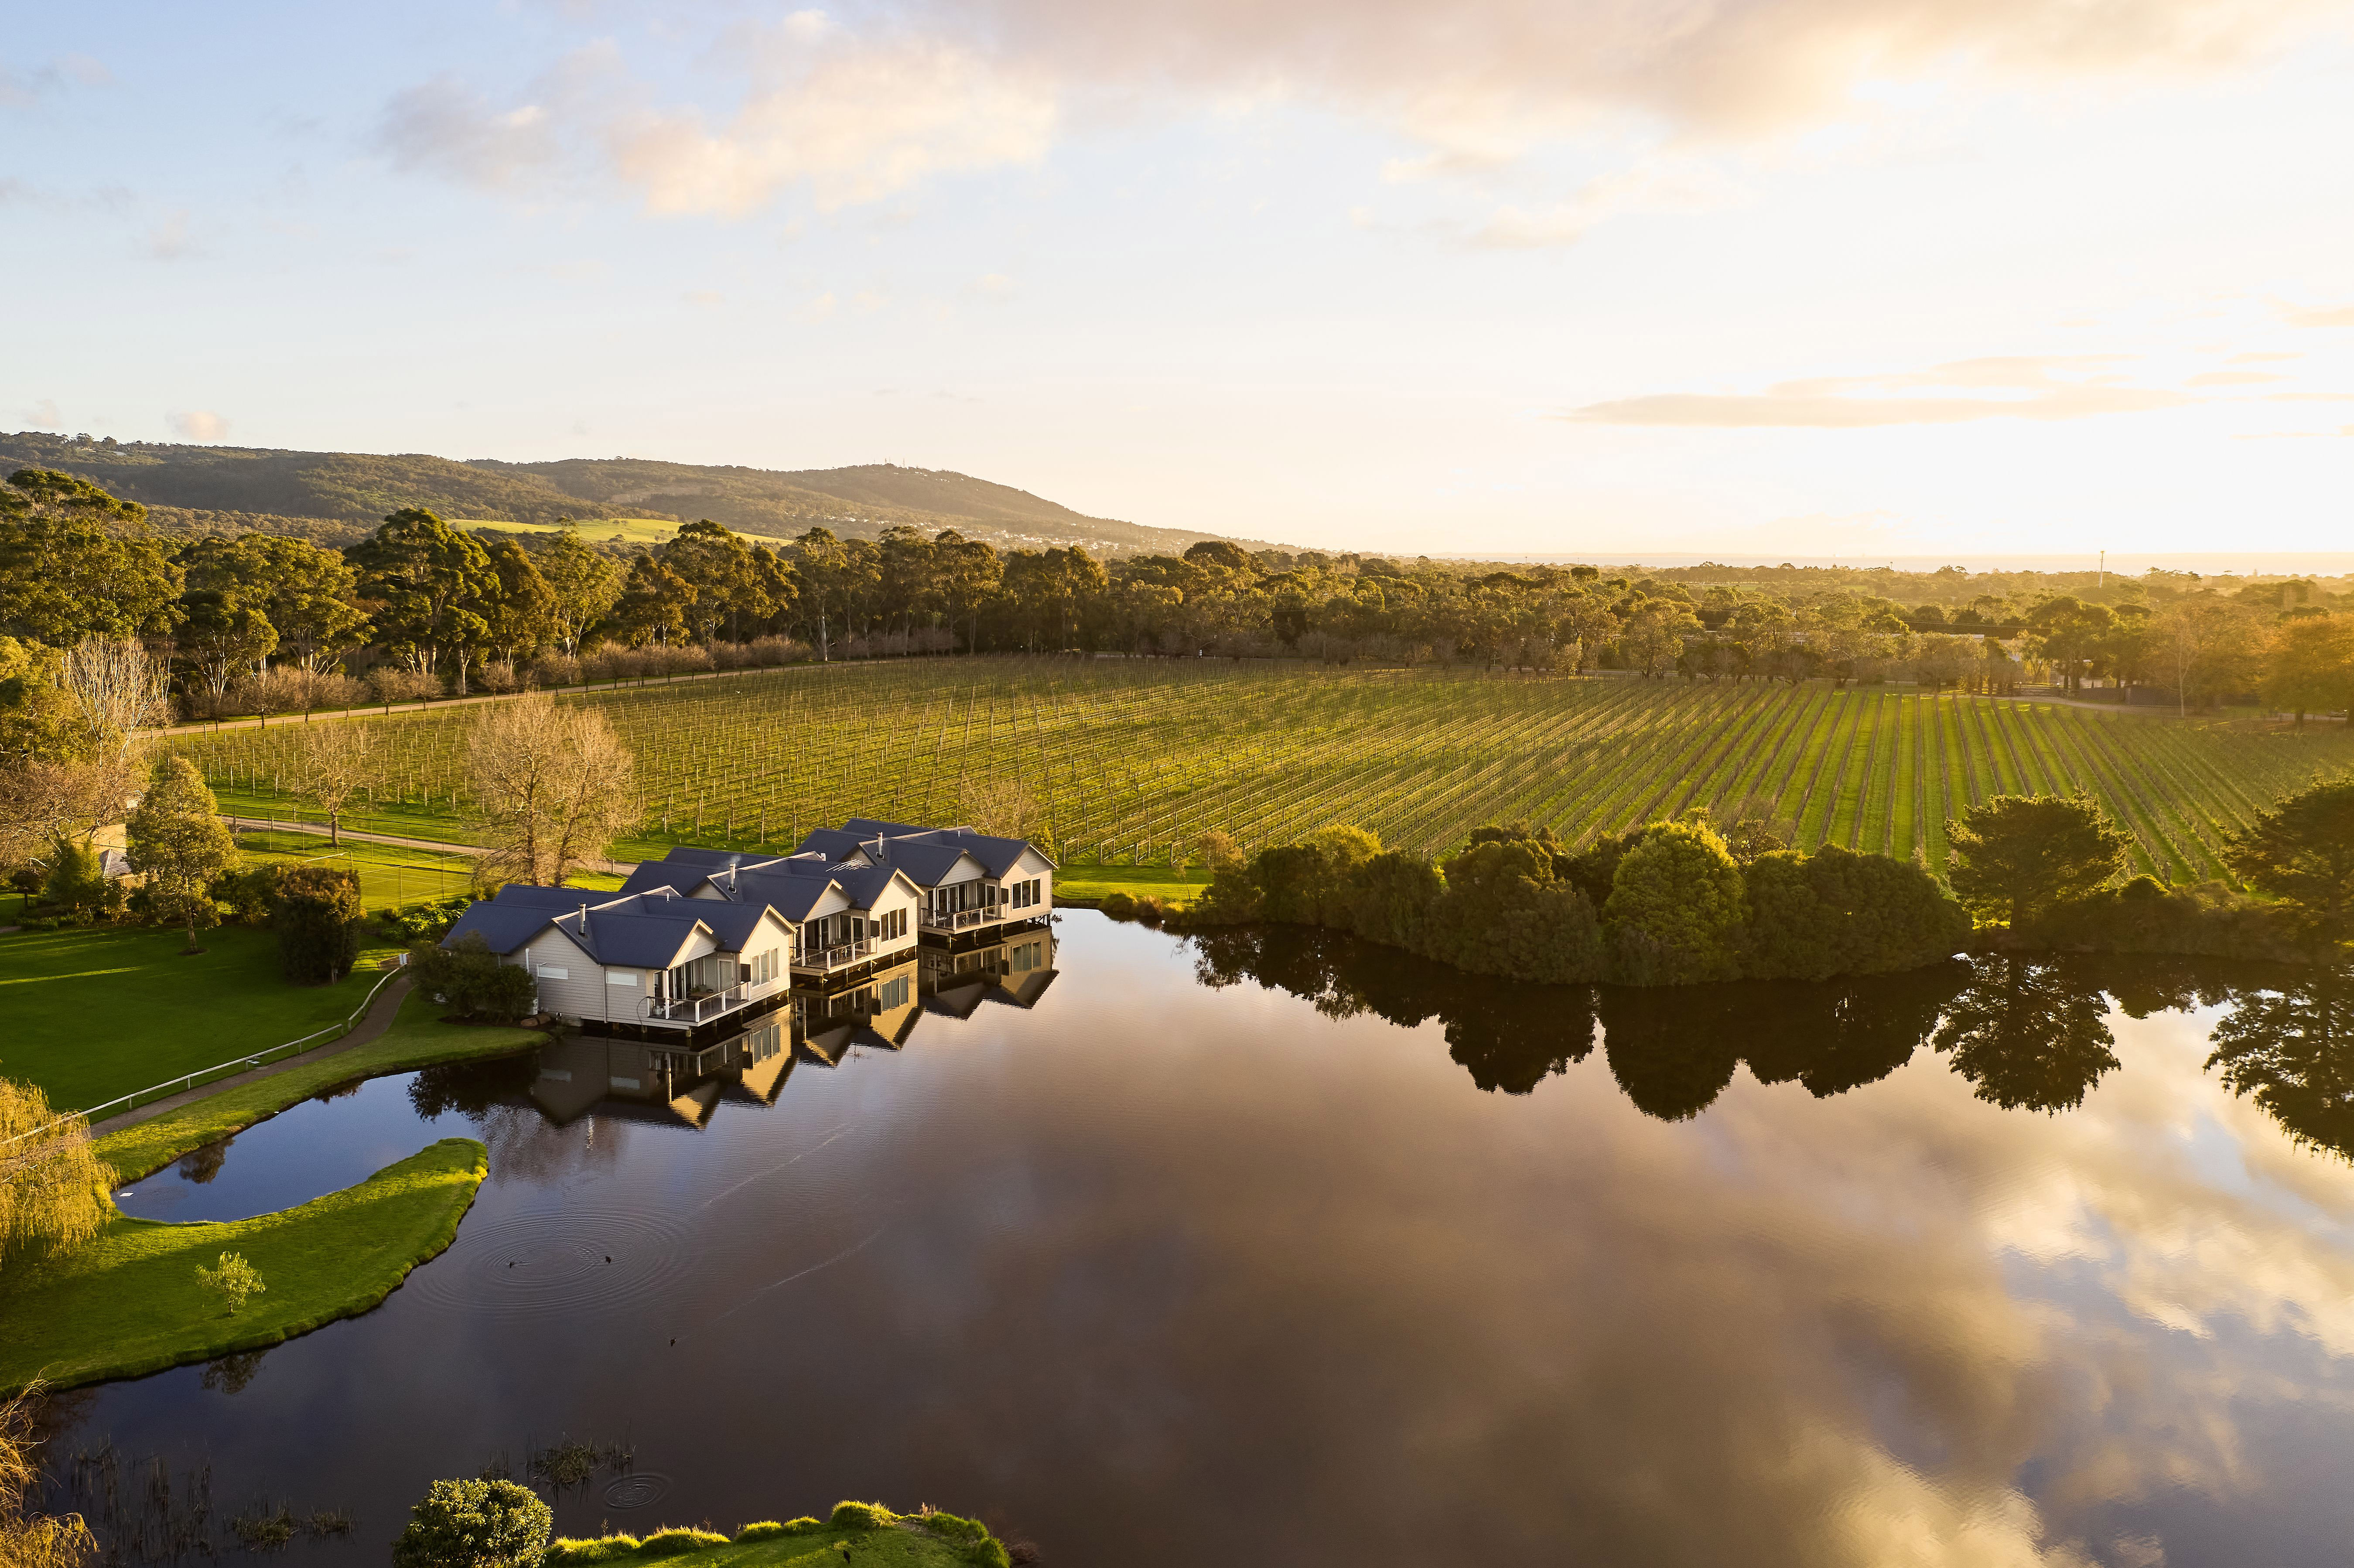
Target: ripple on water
592,1259
640,1488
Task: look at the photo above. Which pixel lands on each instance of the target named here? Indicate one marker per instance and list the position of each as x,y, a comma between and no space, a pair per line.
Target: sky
1802,277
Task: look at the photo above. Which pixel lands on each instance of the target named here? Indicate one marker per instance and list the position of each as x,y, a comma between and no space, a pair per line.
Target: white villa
702,936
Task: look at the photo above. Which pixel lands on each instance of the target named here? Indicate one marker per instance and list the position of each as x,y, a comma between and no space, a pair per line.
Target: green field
390,874
92,1015
1132,758
597,530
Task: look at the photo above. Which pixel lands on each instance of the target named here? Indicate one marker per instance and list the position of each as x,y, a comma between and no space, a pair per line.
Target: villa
704,937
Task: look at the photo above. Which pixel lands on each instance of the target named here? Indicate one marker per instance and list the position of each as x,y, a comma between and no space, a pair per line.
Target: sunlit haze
1790,277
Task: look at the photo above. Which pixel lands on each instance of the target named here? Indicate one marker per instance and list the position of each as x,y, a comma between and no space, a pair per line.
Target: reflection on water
1267,1248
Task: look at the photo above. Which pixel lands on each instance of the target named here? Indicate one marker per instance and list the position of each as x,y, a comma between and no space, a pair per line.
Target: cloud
2234,378
444,127
1654,185
169,240
2013,386
199,424
1483,77
707,299
996,286
44,416
22,90
2318,316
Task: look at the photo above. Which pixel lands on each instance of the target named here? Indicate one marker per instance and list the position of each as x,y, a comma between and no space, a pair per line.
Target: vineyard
1129,762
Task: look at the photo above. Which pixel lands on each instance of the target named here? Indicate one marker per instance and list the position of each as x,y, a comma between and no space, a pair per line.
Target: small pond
1266,1247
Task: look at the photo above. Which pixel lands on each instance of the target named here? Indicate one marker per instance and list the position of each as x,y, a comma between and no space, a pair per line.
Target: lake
1267,1248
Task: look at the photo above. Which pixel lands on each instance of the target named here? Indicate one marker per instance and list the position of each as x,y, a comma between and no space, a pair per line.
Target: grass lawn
1089,883
389,874
128,1302
903,1543
418,1038
94,1014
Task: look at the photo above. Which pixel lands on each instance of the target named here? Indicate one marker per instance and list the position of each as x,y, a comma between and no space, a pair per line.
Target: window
891,993
623,976
549,971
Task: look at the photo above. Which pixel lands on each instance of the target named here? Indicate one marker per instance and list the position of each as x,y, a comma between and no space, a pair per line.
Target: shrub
389,684
1119,906
861,1516
469,979
567,1552
1676,908
1150,909
678,1542
232,1279
77,880
1503,912
554,670
246,894
1839,913
765,1530
317,914
474,1524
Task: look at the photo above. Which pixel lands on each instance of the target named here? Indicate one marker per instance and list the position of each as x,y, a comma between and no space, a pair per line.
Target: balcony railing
963,920
689,1011
820,959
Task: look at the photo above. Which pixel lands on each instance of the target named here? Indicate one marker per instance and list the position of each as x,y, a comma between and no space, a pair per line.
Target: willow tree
29,1540
52,1187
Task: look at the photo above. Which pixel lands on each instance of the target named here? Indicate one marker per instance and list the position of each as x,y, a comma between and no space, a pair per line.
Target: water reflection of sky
1167,1273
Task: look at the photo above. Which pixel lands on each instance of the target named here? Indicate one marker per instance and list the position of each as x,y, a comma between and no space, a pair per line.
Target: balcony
687,1011
964,919
821,961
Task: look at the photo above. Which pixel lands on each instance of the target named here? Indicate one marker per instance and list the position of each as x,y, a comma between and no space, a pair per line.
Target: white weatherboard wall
578,991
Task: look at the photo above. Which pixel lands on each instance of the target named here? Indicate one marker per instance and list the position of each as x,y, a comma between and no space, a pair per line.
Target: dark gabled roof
927,861
643,929
791,894
834,843
863,885
917,849
502,928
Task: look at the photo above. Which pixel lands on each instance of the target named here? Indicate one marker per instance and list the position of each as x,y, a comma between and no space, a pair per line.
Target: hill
332,495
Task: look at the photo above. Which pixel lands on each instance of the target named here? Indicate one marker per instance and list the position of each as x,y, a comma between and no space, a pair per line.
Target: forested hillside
329,496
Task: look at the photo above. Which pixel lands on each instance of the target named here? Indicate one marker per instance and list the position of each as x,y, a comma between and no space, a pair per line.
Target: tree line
1680,903
262,622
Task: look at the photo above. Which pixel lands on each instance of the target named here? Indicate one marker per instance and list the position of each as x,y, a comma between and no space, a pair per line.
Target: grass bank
864,1533
1085,886
390,874
94,1014
129,1303
418,1038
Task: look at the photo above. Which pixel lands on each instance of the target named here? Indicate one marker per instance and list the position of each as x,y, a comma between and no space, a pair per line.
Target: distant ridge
328,495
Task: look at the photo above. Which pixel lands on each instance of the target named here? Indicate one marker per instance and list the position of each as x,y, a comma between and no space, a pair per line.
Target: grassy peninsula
130,1303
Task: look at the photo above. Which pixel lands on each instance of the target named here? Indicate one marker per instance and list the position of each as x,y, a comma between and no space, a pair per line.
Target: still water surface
1268,1248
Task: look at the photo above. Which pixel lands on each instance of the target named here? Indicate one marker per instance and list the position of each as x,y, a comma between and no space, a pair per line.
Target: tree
2291,1049
422,580
118,688
552,786
2015,856
52,1187
967,573
29,1540
468,977
1655,634
474,1524
69,569
232,1279
2309,668
719,582
520,614
908,582
333,762
823,568
317,914
582,586
178,844
1676,907
2195,635
1835,912
36,713
651,605
222,639
2302,853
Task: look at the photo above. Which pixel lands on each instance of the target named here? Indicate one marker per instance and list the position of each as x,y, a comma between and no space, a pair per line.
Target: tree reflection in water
2029,1034
2289,1046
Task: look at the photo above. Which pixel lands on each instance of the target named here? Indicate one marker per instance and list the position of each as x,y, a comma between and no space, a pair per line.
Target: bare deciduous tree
1002,804
118,687
44,803
334,762
553,786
